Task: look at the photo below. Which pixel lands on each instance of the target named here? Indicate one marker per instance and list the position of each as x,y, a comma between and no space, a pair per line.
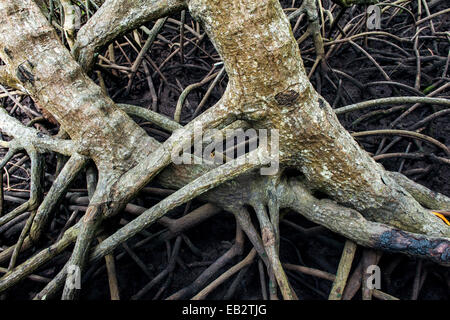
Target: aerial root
235,250
426,197
29,266
324,212
37,221
226,275
269,239
69,21
197,187
370,258
59,187
89,227
343,271
133,181
352,225
175,226
266,246
309,7
167,272
222,113
36,191
25,137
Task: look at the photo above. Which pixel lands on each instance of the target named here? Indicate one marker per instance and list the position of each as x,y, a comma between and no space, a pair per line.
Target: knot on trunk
267,237
287,98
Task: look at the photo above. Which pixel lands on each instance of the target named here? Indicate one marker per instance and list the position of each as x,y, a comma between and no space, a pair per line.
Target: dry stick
397,84
153,33
399,155
152,63
381,150
112,274
226,275
187,27
112,65
417,125
343,271
423,278
68,224
417,53
404,133
30,113
310,271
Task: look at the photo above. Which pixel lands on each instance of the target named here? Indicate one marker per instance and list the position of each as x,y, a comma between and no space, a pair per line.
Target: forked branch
115,18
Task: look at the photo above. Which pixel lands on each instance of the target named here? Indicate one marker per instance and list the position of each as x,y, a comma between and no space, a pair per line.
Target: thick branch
51,76
30,137
70,171
352,225
116,17
200,185
425,196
